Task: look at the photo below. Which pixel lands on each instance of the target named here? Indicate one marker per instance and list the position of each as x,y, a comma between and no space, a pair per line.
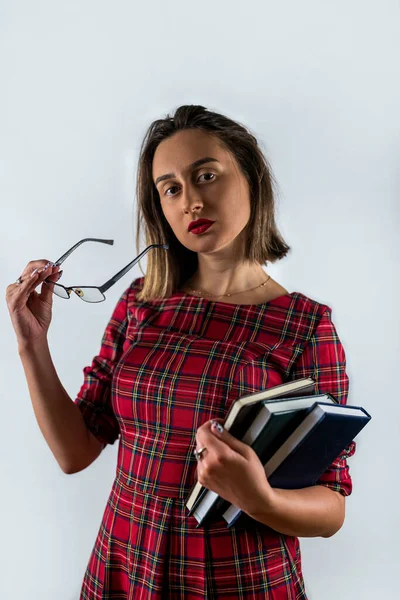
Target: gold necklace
233,294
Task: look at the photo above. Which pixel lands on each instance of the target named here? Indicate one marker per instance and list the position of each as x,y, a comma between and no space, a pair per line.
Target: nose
191,198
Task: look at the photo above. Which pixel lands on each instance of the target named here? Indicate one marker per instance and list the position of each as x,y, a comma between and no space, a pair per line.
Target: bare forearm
58,417
308,512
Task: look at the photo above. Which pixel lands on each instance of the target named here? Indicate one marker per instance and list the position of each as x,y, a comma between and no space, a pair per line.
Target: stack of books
296,434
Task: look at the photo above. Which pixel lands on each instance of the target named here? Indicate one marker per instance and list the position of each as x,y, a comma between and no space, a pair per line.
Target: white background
318,84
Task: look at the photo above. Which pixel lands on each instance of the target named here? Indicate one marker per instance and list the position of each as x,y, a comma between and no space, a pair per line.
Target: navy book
312,447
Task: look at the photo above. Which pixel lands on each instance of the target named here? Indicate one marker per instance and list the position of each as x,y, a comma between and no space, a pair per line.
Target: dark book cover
315,452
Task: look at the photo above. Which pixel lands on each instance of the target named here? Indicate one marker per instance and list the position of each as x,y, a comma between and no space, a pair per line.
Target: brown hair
169,269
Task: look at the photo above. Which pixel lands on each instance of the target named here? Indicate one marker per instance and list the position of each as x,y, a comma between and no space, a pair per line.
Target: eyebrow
197,163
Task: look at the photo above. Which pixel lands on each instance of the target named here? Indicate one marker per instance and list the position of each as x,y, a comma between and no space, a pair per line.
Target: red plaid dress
164,368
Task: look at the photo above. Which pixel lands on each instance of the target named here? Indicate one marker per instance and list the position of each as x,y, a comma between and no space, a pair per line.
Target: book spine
198,500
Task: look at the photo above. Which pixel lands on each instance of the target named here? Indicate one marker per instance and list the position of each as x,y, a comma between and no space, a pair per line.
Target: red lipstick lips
200,225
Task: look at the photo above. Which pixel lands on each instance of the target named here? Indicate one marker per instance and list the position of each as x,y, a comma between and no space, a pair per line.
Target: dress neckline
218,302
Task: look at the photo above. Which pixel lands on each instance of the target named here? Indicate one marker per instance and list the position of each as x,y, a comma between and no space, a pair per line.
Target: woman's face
216,190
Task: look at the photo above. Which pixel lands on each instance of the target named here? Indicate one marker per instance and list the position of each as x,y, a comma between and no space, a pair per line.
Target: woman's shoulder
310,304
297,302
137,284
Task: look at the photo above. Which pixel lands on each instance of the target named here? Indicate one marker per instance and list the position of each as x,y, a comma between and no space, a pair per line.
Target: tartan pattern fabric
164,368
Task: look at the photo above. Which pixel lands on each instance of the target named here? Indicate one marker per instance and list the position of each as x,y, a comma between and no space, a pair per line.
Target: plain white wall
318,84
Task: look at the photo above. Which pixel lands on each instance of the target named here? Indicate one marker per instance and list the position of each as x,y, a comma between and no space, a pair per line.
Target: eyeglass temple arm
64,256
121,273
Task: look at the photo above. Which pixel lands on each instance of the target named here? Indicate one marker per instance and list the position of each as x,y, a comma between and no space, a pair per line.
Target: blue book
312,447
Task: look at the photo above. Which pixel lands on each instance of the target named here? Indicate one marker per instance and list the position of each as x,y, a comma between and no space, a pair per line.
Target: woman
205,325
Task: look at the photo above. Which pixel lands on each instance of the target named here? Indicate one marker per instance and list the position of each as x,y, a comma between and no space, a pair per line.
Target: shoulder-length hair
167,270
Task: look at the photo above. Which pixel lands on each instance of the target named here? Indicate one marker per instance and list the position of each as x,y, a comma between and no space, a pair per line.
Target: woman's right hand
31,312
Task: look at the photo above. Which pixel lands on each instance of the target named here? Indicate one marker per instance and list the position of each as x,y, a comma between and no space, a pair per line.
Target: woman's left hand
232,469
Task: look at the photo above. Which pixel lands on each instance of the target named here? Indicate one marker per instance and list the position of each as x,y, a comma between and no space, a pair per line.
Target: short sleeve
324,360
94,397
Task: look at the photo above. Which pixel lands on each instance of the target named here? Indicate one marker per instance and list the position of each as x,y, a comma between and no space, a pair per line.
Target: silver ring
197,453
19,280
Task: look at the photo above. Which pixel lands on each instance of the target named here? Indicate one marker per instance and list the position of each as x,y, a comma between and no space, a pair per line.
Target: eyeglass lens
87,294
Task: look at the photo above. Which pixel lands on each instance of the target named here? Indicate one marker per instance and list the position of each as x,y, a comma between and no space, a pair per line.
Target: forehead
183,148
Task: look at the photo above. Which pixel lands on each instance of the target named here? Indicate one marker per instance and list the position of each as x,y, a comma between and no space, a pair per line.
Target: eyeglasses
93,293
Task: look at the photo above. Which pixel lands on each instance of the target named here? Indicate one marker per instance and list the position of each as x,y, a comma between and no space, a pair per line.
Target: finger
55,275
227,438
42,274
17,293
205,429
31,281
51,275
209,436
205,437
33,265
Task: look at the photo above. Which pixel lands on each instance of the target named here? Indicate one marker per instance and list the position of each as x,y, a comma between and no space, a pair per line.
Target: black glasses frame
102,288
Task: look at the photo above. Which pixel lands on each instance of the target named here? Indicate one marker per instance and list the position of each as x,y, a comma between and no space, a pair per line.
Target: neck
230,280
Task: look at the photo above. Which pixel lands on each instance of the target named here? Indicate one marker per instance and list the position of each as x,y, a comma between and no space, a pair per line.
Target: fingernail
45,267
33,272
217,426
59,275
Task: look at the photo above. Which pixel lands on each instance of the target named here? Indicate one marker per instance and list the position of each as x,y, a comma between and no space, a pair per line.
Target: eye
171,188
174,186
203,175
